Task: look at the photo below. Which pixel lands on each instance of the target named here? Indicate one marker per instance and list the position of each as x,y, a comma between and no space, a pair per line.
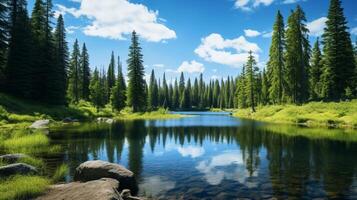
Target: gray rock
126,195
93,170
40,124
12,158
18,168
69,120
102,189
109,121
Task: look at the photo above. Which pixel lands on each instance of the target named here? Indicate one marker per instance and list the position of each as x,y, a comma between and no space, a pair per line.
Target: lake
216,156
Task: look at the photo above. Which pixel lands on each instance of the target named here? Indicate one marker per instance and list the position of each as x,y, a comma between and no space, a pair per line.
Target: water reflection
246,160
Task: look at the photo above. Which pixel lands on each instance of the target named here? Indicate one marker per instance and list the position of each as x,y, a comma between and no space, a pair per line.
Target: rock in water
102,189
12,158
93,170
39,124
18,168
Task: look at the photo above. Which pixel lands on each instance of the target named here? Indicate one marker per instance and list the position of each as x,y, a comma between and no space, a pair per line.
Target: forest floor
313,114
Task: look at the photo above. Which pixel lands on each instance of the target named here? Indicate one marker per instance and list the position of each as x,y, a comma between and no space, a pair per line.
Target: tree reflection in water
249,160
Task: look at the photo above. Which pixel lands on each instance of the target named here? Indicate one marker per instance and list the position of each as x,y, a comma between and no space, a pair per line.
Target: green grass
60,173
161,113
22,187
315,114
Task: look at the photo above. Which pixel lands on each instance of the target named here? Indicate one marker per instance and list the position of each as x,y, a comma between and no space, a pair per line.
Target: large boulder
102,189
93,170
40,124
18,168
12,158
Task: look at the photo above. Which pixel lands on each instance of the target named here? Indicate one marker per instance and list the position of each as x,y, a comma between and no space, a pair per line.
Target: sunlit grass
27,142
341,114
60,173
161,113
22,187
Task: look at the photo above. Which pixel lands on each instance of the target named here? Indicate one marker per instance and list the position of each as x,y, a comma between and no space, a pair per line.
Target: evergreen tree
117,97
276,61
153,92
241,94
195,93
74,75
96,90
85,72
315,71
4,28
165,92
216,93
265,89
136,93
297,57
176,96
339,63
251,84
44,53
18,70
111,73
61,54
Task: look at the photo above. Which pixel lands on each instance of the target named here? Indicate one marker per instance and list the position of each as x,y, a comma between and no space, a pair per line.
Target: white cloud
192,151
317,26
71,29
248,5
158,65
268,34
354,31
115,19
251,33
231,52
291,1
191,67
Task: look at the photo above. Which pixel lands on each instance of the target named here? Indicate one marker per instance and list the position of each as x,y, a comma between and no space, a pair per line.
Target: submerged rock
12,158
102,189
18,168
69,120
92,170
40,124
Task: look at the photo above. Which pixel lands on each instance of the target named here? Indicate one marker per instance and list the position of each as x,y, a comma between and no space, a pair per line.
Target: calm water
216,156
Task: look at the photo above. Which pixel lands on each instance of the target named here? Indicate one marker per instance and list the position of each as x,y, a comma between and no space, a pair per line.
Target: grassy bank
20,114
314,114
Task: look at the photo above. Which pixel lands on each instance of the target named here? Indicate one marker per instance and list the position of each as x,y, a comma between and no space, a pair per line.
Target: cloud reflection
229,165
154,185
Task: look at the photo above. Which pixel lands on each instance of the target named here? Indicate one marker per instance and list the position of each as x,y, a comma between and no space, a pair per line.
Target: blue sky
193,36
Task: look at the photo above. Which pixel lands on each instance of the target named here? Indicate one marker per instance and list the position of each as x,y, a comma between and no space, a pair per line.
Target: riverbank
16,113
313,114
16,137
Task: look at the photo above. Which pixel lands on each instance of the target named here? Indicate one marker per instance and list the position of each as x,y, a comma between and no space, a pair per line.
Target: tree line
295,73
35,64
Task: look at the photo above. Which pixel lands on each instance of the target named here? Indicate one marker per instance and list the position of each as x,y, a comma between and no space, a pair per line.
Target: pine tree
251,84
165,92
4,29
136,93
96,90
176,96
297,57
85,72
74,75
61,55
18,70
44,53
275,65
241,94
216,93
265,88
195,93
315,72
339,63
111,73
153,92
118,91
